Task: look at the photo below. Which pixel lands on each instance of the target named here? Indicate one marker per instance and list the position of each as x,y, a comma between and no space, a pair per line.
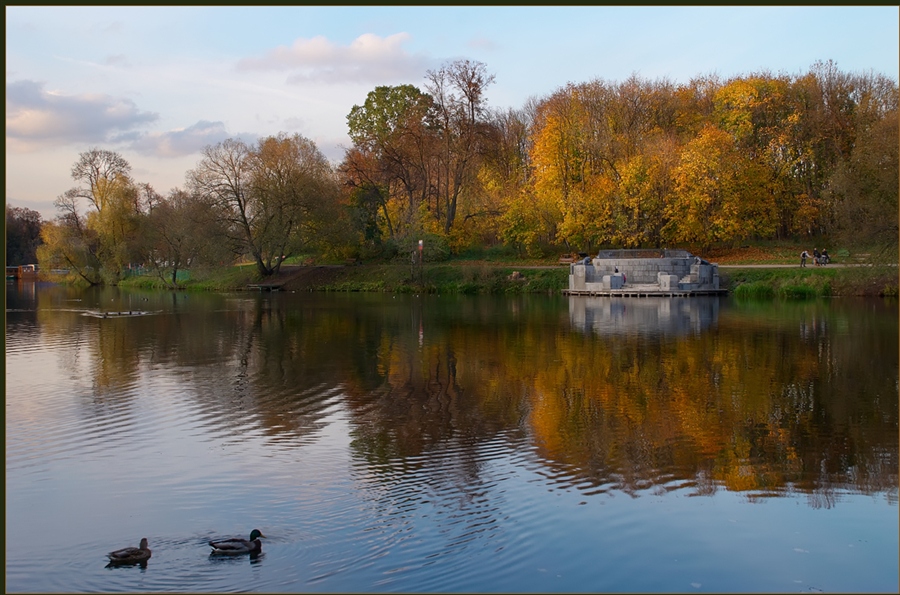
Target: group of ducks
227,547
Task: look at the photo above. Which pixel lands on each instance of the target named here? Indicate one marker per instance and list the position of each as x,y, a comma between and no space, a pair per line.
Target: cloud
177,143
369,58
482,43
35,117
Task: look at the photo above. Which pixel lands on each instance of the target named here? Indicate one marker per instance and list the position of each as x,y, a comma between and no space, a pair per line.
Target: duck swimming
131,555
238,546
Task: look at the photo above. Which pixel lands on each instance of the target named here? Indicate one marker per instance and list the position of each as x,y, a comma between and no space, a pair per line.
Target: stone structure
643,272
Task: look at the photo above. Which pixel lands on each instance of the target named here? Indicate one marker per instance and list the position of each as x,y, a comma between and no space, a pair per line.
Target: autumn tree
96,169
502,178
117,225
388,166
558,154
96,230
646,185
181,233
68,243
458,89
719,194
864,190
615,163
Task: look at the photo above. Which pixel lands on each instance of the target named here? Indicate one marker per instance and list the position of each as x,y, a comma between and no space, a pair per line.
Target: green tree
393,142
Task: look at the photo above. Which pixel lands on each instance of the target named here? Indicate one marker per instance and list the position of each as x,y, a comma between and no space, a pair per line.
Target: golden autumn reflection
624,395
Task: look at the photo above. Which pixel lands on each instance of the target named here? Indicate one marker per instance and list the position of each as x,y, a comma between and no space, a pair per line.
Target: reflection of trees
756,406
791,398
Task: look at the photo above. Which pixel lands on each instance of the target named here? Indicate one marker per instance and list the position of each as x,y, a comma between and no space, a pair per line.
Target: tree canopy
637,163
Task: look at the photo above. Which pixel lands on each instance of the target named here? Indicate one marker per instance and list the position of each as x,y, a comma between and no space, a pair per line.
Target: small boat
237,546
130,555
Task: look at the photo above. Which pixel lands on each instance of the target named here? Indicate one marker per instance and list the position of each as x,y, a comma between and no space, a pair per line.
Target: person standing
816,256
803,256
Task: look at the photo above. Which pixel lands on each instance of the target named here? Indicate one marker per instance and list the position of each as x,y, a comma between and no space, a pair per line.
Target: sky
157,84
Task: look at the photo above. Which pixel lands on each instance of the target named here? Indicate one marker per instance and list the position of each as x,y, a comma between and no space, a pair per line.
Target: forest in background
599,164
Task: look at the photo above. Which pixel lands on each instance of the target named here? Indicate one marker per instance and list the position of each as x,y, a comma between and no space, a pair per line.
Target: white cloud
37,118
368,58
177,143
482,43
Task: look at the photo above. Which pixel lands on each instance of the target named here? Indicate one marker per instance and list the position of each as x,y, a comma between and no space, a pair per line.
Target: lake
426,443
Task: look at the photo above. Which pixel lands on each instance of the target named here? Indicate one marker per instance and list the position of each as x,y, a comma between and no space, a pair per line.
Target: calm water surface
433,443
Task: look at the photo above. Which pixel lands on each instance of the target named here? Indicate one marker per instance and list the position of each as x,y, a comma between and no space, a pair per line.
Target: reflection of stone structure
644,317
644,273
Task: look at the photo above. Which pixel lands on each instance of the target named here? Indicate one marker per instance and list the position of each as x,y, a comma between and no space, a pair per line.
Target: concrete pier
644,273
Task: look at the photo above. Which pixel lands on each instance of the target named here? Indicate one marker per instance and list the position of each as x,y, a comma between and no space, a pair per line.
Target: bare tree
458,91
264,195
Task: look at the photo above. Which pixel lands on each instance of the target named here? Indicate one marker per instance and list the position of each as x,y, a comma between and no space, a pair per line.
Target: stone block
614,281
667,282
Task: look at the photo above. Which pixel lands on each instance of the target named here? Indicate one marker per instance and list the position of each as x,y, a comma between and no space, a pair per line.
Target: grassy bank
454,278
489,278
811,282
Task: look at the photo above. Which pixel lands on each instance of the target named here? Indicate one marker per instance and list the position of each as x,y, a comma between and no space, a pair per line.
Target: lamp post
421,259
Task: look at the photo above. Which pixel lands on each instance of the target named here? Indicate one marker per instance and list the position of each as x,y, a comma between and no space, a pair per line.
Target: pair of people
819,258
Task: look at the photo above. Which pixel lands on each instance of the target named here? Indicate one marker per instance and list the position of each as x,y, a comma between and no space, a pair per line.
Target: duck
131,555
238,546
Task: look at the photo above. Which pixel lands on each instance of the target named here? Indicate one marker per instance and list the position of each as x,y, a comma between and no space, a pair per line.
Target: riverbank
762,281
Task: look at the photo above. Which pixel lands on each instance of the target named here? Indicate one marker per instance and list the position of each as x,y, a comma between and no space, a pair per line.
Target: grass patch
801,291
795,283
754,290
867,281
450,278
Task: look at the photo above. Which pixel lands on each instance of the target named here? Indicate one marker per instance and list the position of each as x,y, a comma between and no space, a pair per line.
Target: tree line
638,163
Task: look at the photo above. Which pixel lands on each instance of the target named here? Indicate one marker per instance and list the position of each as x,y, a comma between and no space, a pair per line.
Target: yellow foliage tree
720,195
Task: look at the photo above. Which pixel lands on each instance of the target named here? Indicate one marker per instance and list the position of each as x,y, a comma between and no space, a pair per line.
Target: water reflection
762,402
651,316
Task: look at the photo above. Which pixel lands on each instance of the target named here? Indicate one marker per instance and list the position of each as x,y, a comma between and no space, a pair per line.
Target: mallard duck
130,555
238,546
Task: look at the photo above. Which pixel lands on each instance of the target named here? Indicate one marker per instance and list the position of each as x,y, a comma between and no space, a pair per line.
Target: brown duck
131,555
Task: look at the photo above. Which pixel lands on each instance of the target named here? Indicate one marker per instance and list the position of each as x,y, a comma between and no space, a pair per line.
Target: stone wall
643,268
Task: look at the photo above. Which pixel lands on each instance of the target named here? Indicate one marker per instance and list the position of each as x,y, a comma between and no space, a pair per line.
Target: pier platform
644,290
